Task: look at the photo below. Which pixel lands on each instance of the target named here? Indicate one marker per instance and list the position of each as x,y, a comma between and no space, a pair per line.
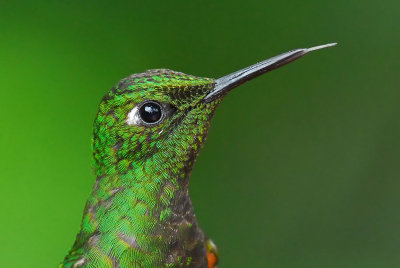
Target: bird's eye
150,112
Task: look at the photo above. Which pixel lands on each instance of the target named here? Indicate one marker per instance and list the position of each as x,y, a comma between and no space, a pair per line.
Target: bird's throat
145,210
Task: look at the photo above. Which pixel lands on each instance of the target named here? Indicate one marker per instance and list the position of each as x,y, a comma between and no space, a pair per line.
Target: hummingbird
148,132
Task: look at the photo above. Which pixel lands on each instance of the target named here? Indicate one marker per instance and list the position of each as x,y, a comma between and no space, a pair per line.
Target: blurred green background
301,167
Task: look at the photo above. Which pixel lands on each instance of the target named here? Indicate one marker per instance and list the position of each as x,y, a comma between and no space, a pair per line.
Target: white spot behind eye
79,262
133,117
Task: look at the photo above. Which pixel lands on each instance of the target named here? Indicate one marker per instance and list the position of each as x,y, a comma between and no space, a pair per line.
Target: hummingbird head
158,120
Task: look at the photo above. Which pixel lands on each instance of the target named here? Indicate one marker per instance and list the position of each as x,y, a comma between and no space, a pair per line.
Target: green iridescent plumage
139,213
134,213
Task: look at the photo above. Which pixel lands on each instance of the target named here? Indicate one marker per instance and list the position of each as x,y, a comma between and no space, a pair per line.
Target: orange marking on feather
212,259
212,254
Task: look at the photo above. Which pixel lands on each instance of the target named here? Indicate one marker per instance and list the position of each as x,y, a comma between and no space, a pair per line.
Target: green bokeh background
301,167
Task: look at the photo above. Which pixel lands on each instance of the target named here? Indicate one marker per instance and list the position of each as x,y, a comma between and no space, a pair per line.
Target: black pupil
150,112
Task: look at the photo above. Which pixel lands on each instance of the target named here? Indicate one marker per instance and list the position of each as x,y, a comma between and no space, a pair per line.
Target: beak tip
320,47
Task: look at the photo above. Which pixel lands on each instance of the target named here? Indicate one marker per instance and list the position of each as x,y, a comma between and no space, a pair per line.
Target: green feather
139,213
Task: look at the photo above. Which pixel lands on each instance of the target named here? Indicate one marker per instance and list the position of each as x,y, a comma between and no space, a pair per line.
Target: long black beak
226,83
